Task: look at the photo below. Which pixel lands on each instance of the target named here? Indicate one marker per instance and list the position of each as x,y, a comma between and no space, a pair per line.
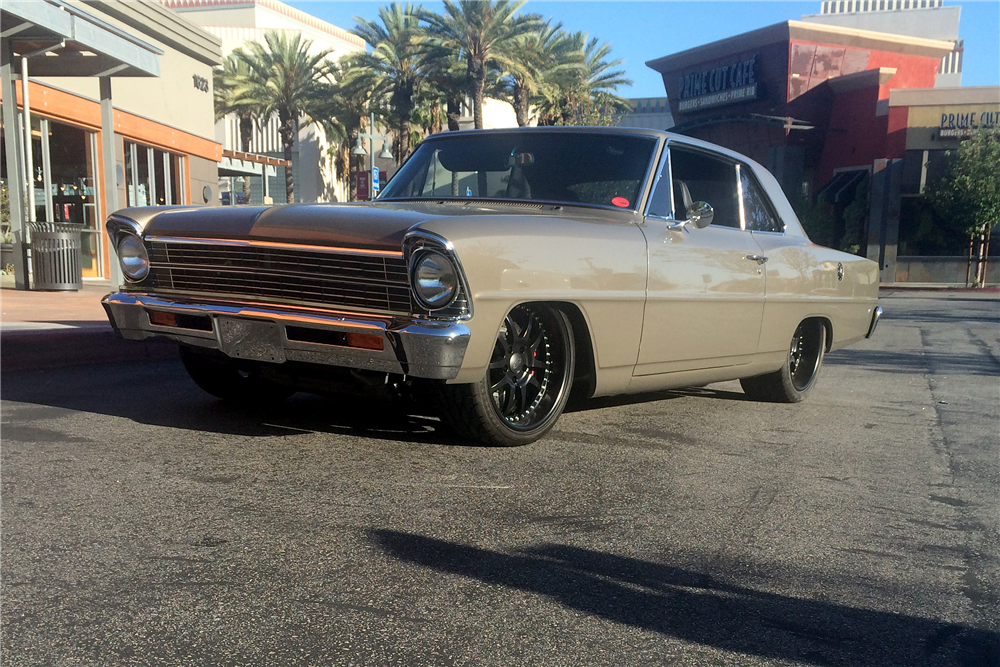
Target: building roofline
803,30
934,97
182,6
155,20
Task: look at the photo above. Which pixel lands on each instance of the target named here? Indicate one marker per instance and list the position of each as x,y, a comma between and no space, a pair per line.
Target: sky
641,31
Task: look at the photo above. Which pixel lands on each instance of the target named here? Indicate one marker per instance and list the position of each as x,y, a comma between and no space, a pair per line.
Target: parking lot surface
145,523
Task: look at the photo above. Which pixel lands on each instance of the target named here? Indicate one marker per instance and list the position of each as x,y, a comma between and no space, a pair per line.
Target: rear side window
757,208
698,177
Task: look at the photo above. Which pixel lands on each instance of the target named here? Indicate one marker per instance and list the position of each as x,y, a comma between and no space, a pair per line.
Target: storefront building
924,124
121,114
234,23
810,102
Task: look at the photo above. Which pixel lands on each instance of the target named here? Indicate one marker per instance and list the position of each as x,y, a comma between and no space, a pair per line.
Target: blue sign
375,180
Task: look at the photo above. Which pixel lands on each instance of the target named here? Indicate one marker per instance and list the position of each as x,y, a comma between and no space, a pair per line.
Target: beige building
236,22
119,102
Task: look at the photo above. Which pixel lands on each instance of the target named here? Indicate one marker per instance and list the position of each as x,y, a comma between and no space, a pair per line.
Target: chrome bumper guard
421,348
875,318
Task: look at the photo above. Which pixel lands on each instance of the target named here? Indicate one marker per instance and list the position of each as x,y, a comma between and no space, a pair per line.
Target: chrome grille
282,274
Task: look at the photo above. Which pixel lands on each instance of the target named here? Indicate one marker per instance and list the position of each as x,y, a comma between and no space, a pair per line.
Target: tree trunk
968,270
521,103
477,75
435,119
287,131
352,181
404,141
246,133
984,246
454,113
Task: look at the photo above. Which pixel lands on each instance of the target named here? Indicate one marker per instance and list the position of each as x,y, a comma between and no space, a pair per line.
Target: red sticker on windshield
620,202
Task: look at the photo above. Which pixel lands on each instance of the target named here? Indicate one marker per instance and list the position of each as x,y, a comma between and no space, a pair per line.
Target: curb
57,348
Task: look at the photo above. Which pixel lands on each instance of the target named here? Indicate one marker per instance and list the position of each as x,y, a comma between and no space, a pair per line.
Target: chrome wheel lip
528,345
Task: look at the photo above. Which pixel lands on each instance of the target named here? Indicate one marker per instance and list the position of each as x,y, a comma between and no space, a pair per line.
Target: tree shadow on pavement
698,608
917,363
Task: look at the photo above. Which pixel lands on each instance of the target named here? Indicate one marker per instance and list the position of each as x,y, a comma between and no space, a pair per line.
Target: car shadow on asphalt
160,393
584,404
699,608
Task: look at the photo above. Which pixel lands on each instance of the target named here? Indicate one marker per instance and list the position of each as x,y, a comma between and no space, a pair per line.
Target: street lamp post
358,149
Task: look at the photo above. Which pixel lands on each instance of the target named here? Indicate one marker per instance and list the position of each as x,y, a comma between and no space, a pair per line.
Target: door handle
760,259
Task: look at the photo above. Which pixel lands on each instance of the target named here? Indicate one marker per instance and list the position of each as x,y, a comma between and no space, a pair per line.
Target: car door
705,287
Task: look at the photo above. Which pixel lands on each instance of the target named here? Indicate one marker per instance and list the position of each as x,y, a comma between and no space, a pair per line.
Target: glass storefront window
152,176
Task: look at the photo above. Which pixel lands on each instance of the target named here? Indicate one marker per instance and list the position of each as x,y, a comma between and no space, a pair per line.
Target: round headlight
133,257
435,281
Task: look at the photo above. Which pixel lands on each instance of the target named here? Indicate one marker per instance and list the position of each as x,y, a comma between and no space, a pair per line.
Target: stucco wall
203,172
171,98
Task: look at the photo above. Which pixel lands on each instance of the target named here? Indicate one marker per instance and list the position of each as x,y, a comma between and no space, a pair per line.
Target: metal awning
59,39
88,45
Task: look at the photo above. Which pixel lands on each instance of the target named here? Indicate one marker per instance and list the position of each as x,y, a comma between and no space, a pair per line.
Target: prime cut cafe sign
725,84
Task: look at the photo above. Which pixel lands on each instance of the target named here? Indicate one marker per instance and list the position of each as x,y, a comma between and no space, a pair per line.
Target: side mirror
700,214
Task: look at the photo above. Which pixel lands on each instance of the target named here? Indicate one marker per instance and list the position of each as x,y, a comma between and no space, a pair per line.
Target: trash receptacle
55,256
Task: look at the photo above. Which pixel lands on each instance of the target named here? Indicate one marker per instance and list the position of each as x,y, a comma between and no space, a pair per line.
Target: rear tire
796,378
230,381
526,386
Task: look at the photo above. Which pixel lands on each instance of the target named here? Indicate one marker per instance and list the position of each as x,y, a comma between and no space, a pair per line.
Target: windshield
564,167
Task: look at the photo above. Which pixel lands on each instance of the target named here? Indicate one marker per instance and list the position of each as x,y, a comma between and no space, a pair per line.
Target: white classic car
499,272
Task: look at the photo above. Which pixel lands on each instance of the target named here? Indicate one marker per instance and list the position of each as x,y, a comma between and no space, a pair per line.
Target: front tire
796,378
526,386
229,381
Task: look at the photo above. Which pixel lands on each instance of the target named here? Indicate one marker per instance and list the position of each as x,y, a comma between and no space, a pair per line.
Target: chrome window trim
722,157
664,161
644,190
739,195
770,204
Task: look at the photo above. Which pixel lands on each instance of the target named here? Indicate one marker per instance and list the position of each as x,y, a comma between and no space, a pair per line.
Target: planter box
7,257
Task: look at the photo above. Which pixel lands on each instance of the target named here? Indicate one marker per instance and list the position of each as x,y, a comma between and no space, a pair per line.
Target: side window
699,176
659,201
760,215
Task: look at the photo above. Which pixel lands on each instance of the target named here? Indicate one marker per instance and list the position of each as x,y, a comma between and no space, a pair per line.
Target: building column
883,216
110,171
15,165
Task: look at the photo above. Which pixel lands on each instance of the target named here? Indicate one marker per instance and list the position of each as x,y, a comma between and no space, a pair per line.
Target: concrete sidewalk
40,330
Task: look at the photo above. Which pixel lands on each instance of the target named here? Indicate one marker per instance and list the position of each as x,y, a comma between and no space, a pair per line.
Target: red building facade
811,103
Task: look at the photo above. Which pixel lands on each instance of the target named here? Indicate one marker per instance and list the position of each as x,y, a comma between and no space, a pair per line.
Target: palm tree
600,77
447,81
286,80
587,95
226,79
546,57
395,68
482,31
343,112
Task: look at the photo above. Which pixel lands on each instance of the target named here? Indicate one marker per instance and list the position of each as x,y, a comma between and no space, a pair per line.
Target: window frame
715,156
767,200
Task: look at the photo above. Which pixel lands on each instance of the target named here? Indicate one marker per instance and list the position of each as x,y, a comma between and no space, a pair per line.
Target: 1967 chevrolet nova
501,271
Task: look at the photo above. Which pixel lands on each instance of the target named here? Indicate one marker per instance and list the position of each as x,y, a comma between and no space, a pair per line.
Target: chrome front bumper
421,348
875,318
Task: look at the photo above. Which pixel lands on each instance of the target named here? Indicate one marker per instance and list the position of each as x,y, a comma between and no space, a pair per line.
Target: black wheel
231,381
527,384
798,375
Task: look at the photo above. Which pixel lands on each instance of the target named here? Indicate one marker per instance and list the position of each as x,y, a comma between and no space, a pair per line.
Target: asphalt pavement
145,523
